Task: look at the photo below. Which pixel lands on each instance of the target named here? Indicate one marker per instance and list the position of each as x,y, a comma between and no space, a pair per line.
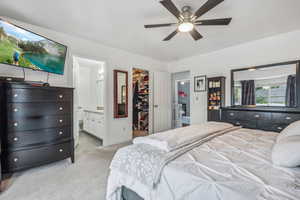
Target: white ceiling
119,23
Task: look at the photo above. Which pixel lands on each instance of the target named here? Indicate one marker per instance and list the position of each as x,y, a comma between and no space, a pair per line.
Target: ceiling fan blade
170,6
210,4
195,34
171,35
224,21
159,25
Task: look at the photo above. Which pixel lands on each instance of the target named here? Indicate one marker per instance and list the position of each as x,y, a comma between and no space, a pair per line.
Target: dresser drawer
38,95
245,124
232,115
19,110
285,118
20,160
37,137
260,116
274,127
39,122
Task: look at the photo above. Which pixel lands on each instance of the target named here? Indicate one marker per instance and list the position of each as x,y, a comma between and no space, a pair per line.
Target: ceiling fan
187,21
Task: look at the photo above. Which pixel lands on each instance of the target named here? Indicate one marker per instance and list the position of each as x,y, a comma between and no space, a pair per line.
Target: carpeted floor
84,180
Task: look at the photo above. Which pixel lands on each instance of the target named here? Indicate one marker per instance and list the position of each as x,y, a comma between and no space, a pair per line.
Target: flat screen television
23,48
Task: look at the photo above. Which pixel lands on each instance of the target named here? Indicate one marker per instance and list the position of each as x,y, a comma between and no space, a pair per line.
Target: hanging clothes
135,113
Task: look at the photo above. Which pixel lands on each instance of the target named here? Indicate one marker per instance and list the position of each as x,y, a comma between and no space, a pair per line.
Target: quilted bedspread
233,166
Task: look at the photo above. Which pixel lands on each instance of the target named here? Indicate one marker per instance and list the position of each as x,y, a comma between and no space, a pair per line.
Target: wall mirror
120,94
268,85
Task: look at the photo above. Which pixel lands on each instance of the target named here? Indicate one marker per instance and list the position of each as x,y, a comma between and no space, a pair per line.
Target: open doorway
181,99
140,114
89,101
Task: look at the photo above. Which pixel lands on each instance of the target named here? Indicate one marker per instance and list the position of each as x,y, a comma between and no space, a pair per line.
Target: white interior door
162,108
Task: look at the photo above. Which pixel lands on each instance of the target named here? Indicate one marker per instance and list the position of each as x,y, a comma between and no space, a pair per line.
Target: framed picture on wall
200,83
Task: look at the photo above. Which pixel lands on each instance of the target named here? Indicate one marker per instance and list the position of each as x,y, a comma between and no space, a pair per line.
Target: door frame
76,74
176,97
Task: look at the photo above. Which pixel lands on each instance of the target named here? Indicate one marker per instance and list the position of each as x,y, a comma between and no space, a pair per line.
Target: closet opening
140,115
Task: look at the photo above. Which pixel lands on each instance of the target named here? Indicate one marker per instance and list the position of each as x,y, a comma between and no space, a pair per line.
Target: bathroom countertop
101,112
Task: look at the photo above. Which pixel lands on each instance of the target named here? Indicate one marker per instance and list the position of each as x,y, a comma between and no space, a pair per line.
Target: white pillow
292,129
286,153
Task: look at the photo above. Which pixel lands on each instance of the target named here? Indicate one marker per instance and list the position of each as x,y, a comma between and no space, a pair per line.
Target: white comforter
234,166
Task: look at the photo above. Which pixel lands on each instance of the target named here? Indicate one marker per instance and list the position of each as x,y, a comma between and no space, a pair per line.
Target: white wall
119,130
84,85
274,49
280,48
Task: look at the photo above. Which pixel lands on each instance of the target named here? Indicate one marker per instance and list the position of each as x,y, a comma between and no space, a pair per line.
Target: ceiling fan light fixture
185,27
187,20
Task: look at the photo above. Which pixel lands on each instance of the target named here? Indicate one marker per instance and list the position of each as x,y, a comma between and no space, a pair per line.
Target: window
271,95
266,94
238,94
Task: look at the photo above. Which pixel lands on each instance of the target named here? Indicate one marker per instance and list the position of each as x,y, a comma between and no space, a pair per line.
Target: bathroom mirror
120,94
269,85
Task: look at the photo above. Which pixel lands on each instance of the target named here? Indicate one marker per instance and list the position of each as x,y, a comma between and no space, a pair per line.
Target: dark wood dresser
36,125
264,118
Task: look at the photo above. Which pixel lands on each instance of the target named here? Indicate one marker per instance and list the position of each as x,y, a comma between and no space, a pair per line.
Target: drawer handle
231,114
16,95
60,121
16,139
16,110
60,96
16,159
16,124
60,133
61,150
279,128
288,118
257,116
61,108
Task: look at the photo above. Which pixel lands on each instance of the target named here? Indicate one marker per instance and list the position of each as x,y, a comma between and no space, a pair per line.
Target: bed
231,166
